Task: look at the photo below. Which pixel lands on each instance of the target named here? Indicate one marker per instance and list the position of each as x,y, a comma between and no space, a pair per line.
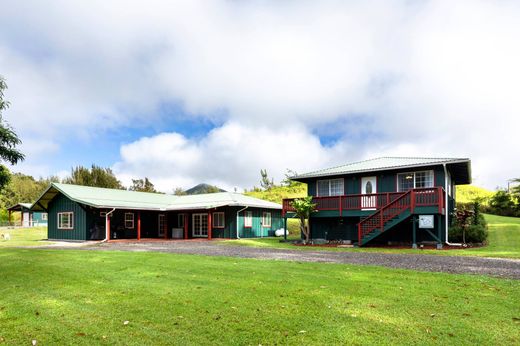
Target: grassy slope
84,297
24,237
468,193
504,241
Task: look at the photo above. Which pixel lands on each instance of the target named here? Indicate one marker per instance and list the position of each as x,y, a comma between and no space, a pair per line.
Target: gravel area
505,268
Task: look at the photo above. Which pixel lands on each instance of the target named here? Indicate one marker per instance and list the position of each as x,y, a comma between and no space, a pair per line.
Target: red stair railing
378,219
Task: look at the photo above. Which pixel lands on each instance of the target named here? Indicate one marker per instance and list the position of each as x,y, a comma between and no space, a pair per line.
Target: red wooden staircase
397,211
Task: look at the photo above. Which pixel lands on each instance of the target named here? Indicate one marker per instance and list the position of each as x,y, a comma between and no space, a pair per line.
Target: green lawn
504,242
24,237
85,297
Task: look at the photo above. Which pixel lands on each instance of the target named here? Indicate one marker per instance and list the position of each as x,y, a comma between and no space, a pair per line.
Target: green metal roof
384,163
19,206
123,199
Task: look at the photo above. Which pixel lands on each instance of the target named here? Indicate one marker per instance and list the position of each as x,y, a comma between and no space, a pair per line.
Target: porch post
439,231
285,228
138,225
209,226
186,225
414,235
9,212
107,226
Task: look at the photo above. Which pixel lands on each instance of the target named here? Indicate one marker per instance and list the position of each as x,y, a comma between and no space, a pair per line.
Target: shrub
469,223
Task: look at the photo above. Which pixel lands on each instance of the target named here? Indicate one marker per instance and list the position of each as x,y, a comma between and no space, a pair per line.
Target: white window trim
432,173
248,219
71,218
44,217
180,220
264,223
128,220
330,180
213,219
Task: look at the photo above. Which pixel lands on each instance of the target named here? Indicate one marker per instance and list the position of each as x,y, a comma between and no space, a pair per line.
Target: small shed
28,218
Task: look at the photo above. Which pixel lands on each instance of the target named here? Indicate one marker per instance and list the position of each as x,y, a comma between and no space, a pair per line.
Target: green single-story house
28,218
90,213
387,199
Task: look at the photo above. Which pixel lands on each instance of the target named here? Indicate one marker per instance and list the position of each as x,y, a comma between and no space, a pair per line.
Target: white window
129,220
248,219
163,225
66,220
414,180
218,220
180,220
330,187
266,219
44,216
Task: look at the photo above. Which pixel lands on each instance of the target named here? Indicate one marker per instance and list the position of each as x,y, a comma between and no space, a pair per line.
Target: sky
212,91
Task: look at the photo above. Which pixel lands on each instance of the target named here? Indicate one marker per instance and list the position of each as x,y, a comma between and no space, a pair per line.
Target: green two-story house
384,200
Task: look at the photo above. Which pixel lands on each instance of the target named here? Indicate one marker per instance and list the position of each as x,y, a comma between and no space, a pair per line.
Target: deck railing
424,197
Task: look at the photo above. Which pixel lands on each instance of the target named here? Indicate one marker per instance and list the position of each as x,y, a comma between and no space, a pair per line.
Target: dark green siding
335,228
62,204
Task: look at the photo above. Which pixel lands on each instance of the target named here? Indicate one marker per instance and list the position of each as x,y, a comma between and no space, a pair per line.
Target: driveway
505,268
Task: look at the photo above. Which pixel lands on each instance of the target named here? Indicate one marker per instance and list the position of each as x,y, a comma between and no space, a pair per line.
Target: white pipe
107,215
238,212
446,207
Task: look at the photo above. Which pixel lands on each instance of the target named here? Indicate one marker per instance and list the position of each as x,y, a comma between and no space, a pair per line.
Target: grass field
504,242
24,237
85,297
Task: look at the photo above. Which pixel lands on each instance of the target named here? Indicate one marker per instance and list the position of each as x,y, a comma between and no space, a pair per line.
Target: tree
95,176
142,185
303,207
502,203
179,191
8,140
265,183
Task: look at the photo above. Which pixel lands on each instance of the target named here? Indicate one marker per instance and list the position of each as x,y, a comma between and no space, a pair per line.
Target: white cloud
429,78
230,156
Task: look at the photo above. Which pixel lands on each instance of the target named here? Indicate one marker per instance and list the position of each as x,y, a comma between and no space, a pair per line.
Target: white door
200,225
26,220
162,225
368,188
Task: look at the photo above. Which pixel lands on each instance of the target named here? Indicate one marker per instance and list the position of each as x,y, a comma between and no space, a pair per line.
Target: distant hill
203,188
468,193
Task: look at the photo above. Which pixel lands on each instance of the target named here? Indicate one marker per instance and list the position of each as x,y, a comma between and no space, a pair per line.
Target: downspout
446,207
238,212
107,215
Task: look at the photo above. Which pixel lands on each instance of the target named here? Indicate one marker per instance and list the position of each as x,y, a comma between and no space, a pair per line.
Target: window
180,220
44,216
129,220
163,225
368,188
266,219
248,219
330,187
218,220
414,180
66,220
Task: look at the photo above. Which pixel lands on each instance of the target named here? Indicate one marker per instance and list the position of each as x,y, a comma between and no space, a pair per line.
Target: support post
414,234
412,201
138,225
209,226
9,217
186,226
439,232
285,228
340,207
107,226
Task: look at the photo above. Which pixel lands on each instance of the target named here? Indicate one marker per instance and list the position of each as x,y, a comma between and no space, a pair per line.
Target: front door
163,227
200,225
369,189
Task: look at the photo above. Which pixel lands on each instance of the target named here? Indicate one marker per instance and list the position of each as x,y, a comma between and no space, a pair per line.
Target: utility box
177,233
